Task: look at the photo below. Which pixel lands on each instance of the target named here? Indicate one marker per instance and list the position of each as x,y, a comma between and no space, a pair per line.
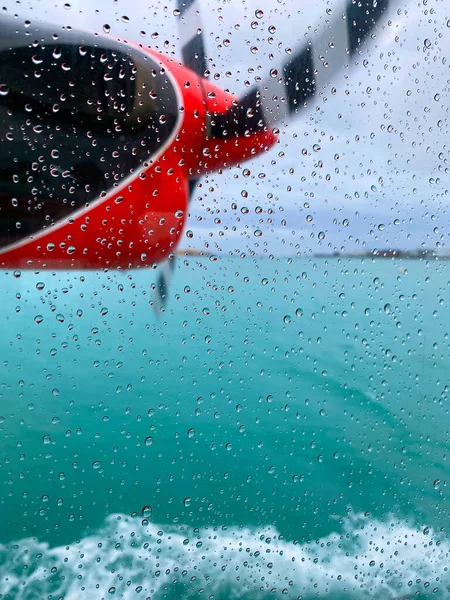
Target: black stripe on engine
183,5
299,79
362,17
194,55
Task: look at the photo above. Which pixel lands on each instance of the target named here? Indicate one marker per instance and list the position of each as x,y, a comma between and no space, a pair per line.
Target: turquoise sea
281,430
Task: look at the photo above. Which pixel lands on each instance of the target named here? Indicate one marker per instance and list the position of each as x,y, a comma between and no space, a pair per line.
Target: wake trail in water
127,558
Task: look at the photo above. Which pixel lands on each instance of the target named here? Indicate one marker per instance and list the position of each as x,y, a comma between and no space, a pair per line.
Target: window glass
265,414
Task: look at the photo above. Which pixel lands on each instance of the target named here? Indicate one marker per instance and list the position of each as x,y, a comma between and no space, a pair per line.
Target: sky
361,168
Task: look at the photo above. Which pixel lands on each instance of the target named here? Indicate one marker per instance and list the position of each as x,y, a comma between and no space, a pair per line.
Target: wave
129,558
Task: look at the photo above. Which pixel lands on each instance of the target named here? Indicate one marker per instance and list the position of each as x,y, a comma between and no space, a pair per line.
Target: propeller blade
165,275
194,57
191,36
192,48
287,90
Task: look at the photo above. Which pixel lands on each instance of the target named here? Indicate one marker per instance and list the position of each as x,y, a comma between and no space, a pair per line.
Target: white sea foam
128,559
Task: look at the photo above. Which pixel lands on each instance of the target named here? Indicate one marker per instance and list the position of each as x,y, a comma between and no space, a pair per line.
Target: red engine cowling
140,220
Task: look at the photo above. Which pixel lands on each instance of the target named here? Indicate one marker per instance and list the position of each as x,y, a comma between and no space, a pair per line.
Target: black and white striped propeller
287,89
307,71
